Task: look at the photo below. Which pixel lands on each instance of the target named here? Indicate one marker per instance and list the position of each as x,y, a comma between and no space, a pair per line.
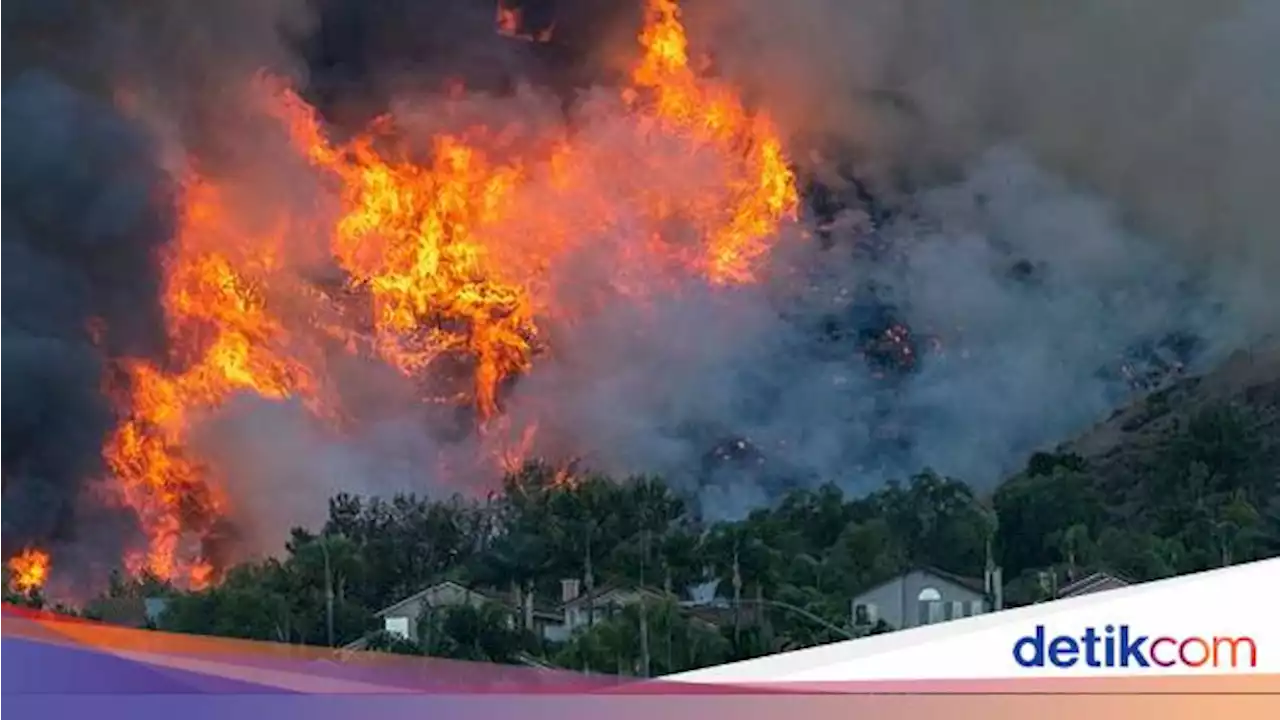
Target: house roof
604,591
539,608
720,615
505,599
1092,582
418,596
973,584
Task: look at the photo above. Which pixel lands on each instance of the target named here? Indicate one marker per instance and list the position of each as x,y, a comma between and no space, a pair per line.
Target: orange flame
453,255
228,342
764,190
28,570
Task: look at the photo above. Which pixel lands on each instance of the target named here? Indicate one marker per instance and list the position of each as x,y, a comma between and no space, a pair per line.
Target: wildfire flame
451,252
28,570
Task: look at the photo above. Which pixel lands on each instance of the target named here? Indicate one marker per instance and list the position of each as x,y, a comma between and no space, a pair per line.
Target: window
398,626
930,606
864,614
977,607
935,611
957,609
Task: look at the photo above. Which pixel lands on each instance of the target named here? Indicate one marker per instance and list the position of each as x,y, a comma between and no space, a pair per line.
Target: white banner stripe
1167,627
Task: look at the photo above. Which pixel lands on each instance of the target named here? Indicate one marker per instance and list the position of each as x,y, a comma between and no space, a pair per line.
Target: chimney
569,588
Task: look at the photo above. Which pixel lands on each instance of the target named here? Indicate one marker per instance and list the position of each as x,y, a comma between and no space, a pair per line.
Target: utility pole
328,588
737,598
644,616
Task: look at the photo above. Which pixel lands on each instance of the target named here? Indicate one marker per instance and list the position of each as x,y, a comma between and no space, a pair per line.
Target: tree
680,643
1074,546
251,603
485,633
1033,507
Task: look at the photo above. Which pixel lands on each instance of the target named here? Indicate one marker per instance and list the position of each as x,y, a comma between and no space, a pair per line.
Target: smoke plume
1019,214
87,205
1166,109
82,212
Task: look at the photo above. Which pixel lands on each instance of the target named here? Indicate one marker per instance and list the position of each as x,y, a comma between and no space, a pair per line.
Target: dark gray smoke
1165,108
84,210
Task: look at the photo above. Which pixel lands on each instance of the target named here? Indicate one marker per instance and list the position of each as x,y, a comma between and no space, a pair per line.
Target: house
1097,582
923,596
577,610
401,619
580,610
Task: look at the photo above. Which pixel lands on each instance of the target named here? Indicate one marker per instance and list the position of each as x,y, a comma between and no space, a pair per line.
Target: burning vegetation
28,570
445,262
603,282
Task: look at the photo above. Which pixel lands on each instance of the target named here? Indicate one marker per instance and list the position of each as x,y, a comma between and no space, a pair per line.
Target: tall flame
764,191
452,254
226,342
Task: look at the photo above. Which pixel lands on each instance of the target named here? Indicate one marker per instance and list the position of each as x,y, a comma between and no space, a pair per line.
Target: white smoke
646,390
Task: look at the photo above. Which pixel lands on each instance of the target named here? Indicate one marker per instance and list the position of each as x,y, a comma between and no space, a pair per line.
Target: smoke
86,206
82,212
1019,365
281,466
1168,109
1045,219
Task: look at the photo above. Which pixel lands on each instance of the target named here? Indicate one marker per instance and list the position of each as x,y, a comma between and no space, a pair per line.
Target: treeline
1206,498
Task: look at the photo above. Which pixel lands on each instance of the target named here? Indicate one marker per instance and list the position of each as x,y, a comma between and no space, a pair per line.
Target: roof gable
426,591
603,595
505,600
973,585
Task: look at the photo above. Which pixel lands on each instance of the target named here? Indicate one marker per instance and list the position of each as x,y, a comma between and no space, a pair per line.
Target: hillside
1185,478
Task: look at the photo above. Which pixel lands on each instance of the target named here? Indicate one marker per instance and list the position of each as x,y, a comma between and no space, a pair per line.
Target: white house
924,596
581,610
401,619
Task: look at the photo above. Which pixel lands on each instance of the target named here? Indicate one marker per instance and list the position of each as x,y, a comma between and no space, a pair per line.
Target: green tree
485,633
678,642
1032,508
